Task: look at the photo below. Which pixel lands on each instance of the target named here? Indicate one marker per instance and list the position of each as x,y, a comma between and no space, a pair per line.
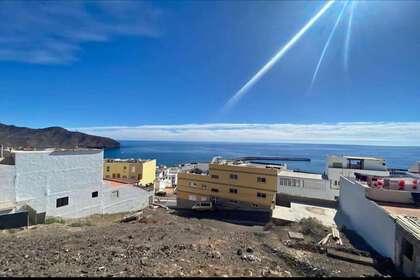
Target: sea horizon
271,143
172,153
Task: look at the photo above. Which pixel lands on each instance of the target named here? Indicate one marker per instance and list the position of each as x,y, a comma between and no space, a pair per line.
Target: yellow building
141,171
230,185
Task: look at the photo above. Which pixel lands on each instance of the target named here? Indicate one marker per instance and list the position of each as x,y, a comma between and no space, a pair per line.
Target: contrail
275,58
348,36
321,58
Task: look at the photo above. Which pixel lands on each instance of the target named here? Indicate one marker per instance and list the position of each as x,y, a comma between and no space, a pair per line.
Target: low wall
125,199
14,220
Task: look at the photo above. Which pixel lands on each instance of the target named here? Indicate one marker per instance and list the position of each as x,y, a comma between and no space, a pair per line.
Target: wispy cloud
362,133
53,32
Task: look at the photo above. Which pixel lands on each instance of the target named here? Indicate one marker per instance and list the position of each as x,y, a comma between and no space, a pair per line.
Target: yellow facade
143,172
254,185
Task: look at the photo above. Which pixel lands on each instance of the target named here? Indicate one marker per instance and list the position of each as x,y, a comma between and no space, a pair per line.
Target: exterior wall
196,187
410,268
307,187
42,177
368,163
144,172
334,175
172,174
247,176
129,199
7,184
366,218
148,172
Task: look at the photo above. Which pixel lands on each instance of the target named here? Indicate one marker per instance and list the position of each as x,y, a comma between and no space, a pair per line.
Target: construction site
162,242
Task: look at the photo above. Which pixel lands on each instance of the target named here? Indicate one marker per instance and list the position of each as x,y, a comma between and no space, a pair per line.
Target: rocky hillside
51,137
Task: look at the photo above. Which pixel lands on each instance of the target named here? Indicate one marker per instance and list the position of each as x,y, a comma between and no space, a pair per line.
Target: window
233,176
355,164
62,201
204,186
107,169
115,194
139,177
232,190
215,176
133,169
132,177
289,182
125,167
261,195
125,177
337,165
214,190
407,248
261,179
95,194
118,175
113,175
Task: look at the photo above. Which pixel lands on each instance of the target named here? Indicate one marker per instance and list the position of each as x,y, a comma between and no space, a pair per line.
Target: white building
326,186
66,183
415,168
386,217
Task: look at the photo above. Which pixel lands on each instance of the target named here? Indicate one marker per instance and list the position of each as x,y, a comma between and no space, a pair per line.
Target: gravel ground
163,243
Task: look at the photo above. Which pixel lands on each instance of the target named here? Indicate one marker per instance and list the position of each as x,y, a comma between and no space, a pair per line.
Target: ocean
172,153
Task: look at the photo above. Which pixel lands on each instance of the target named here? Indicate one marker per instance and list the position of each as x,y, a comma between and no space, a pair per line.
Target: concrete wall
308,188
129,199
144,171
366,218
149,172
7,184
42,177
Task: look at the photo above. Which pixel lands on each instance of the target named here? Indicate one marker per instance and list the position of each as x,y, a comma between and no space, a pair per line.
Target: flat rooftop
116,184
368,158
249,164
397,209
301,175
410,224
131,160
54,151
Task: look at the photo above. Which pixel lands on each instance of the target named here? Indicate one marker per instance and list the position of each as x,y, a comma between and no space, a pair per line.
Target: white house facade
67,184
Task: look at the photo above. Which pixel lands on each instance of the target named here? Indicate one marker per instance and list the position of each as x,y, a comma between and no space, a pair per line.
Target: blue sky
112,68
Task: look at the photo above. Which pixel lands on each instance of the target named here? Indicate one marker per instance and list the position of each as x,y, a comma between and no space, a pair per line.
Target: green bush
312,226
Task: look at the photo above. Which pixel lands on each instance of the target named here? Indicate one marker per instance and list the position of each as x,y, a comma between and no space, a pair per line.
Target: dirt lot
165,243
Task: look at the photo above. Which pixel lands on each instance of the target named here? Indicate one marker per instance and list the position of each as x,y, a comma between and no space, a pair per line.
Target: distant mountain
51,137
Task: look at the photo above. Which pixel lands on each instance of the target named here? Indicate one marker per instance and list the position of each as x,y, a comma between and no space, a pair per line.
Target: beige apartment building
142,172
230,185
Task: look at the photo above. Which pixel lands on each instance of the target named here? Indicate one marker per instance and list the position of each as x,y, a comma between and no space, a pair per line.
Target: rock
250,258
249,250
287,273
